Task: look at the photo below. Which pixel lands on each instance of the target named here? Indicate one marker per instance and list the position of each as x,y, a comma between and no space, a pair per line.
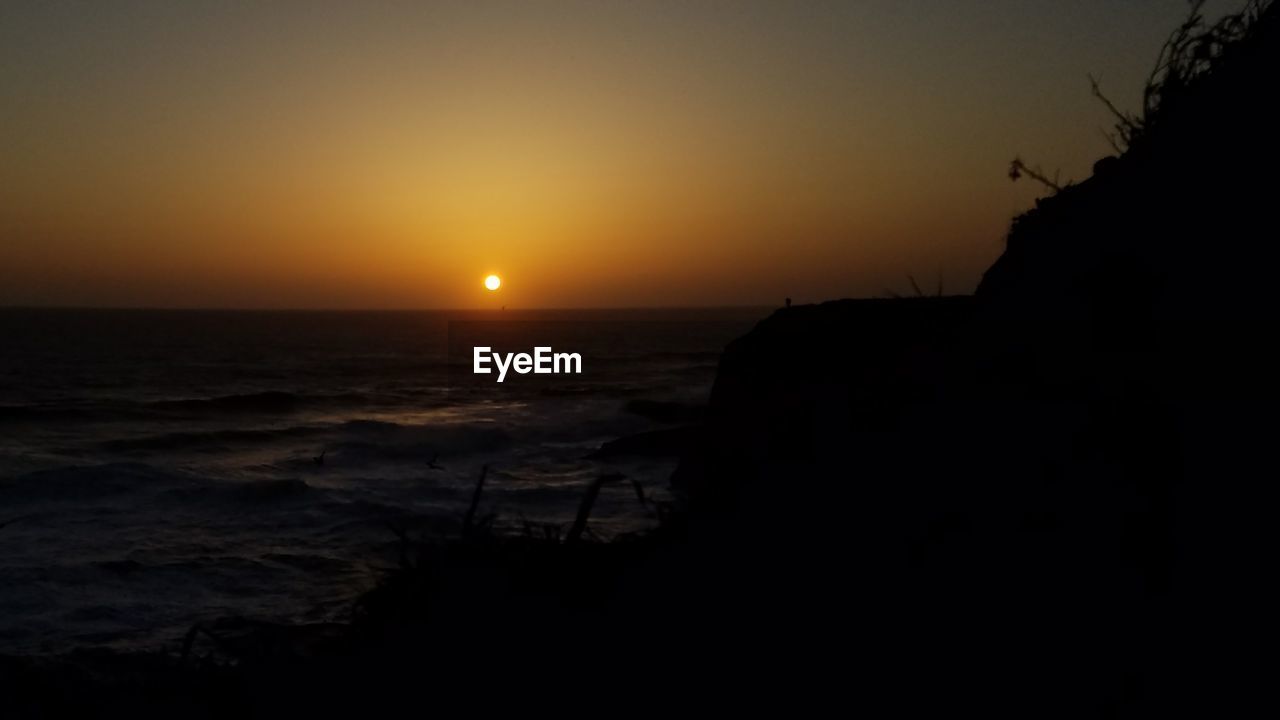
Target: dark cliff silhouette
1057,471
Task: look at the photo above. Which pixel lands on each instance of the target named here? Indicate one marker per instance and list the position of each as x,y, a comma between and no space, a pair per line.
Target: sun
493,282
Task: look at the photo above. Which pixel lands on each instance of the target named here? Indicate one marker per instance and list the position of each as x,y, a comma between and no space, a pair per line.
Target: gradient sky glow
393,154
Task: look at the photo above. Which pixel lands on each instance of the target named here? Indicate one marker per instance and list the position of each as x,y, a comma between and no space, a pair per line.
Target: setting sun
493,282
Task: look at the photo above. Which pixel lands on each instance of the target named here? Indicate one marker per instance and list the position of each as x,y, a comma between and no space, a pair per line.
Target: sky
592,154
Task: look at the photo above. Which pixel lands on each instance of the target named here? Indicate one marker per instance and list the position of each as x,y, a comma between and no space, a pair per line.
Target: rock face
808,381
1062,460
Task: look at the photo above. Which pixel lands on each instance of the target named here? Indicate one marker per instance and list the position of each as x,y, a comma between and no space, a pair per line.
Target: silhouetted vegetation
1192,52
1018,168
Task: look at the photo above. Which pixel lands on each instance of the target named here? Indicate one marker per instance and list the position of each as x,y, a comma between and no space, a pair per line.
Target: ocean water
159,468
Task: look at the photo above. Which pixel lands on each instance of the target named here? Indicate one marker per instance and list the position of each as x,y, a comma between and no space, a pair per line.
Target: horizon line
144,308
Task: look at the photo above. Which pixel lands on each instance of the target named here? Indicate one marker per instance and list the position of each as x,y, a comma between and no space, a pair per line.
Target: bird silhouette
319,459
432,462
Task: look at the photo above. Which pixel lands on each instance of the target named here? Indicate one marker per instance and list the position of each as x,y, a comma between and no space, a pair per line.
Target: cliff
1074,442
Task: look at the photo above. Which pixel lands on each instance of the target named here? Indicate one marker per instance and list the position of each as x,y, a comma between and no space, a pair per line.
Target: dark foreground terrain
1046,499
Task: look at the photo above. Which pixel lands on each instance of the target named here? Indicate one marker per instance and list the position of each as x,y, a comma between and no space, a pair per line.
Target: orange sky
593,154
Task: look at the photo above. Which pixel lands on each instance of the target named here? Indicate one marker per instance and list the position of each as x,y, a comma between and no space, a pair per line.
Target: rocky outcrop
1073,442
808,379
1117,332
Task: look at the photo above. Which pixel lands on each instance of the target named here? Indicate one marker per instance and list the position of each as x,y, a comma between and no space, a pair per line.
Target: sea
160,469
